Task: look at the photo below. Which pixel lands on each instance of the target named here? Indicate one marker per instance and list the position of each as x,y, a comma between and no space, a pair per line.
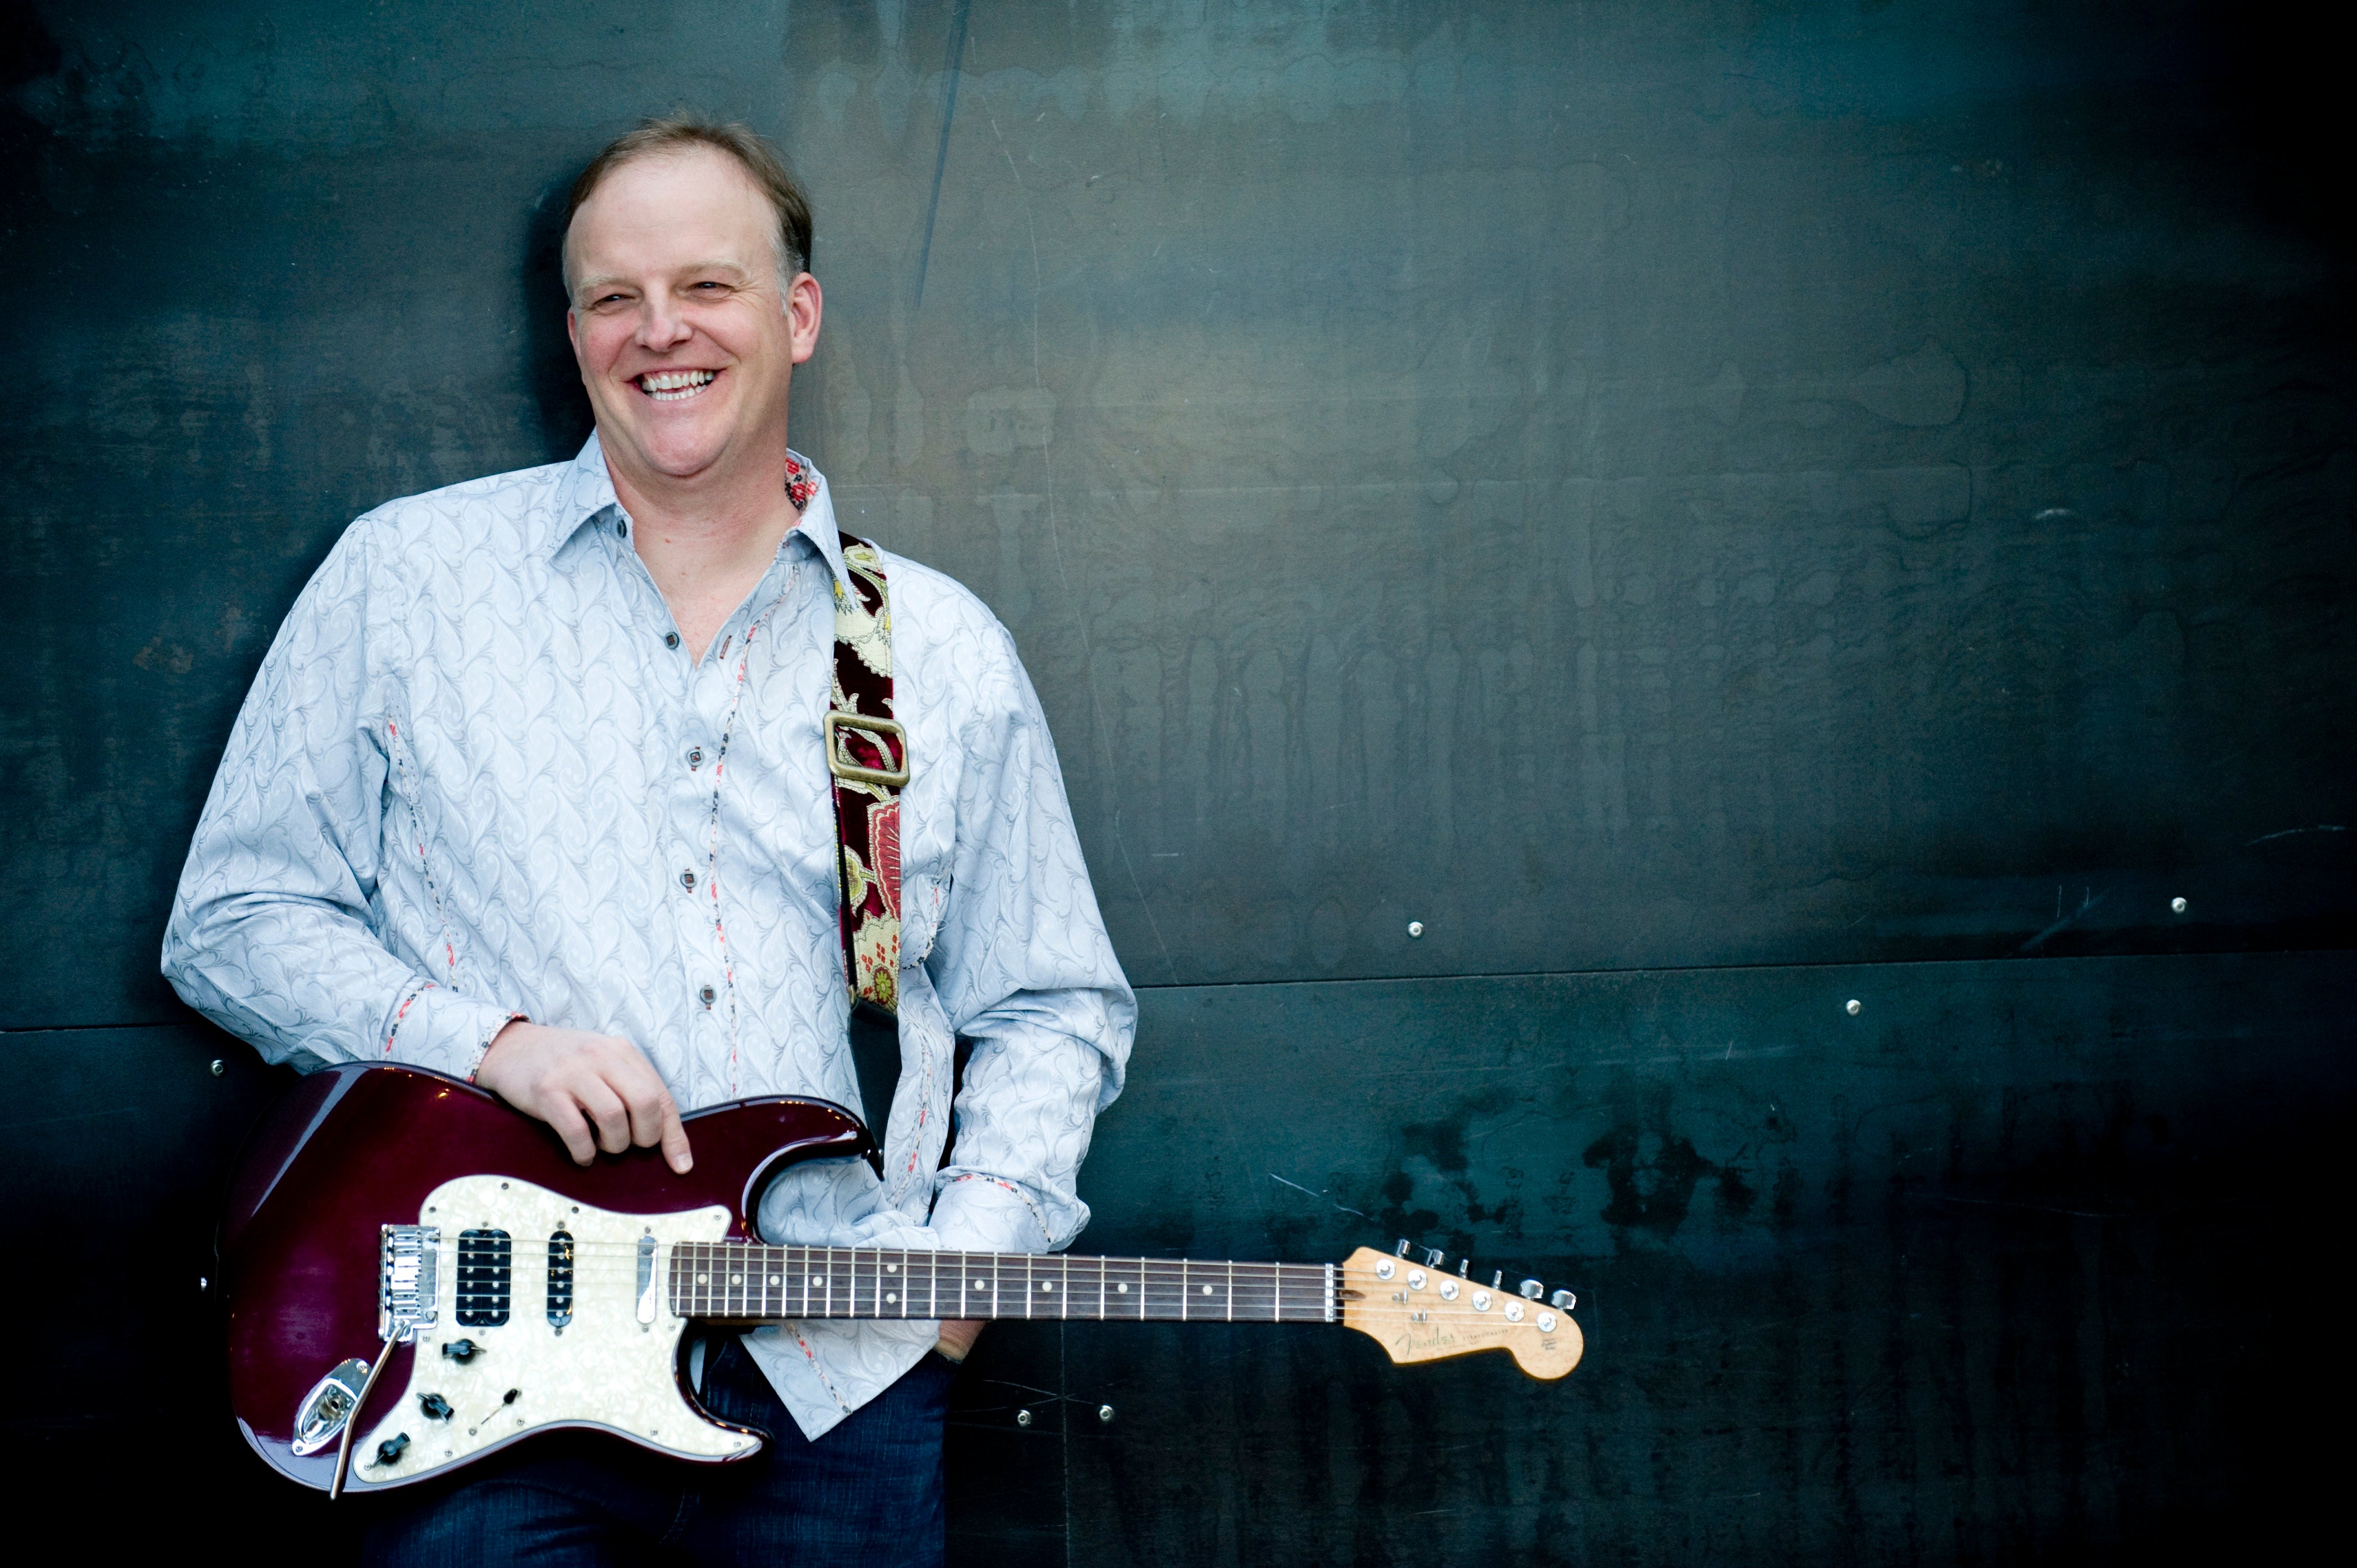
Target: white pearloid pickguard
605,1368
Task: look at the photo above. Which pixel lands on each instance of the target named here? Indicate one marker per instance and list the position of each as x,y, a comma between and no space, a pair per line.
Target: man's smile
675,386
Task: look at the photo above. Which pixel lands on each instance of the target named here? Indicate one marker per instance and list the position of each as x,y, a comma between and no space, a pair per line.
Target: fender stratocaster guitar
418,1275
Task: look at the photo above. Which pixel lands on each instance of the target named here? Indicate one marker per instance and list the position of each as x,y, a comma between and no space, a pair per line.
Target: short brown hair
684,133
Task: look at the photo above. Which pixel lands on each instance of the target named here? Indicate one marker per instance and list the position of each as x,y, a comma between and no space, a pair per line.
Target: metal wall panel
1623,487
2025,1260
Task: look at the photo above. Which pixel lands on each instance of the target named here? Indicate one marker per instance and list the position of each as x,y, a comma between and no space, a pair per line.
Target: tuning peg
1498,1280
1402,1249
1531,1290
1432,1256
1563,1300
1464,1268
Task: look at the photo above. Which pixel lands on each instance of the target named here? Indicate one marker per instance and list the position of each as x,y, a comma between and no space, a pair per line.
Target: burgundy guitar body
354,1149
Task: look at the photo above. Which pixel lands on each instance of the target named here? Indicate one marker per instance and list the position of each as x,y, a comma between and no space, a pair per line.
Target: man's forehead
697,195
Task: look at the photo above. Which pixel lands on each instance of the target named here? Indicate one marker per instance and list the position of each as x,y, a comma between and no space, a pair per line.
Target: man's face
685,343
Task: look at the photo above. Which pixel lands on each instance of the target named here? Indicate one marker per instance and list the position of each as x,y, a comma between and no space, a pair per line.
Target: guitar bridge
405,1297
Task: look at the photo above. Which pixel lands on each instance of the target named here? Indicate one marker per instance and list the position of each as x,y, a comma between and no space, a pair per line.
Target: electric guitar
418,1275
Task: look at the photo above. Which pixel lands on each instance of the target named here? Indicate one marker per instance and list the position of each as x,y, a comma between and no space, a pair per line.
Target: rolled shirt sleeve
1023,968
273,934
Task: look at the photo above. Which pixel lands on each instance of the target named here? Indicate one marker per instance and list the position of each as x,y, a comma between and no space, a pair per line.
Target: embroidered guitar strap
868,757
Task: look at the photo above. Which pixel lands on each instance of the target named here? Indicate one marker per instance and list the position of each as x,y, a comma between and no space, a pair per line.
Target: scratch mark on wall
950,74
1298,1187
2291,833
2088,899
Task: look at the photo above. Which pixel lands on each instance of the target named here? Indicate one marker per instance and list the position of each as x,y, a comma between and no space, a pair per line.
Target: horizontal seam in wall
1762,968
2034,958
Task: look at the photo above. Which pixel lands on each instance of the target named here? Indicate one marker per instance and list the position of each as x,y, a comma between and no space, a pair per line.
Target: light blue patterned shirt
479,778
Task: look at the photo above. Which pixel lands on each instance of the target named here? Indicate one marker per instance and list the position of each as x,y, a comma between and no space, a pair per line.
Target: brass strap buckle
843,767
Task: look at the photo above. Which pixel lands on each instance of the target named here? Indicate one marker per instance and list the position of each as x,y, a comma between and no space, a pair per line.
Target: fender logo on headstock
1419,1314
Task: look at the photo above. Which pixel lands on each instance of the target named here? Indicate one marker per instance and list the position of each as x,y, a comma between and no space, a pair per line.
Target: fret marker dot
1047,1289
1121,1289
977,1284
817,1283
889,1298
703,1279
736,1279
1207,1290
776,1280
892,1268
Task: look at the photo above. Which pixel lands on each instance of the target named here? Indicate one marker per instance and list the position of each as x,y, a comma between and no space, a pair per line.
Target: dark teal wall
1713,509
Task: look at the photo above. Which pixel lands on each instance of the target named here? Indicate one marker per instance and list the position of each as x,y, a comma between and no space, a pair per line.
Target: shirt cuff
987,1214
432,1027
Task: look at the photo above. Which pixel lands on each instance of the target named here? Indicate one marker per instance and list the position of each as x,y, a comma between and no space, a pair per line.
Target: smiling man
533,789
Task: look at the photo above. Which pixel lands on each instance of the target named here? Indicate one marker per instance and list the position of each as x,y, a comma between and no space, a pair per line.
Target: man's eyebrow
715,265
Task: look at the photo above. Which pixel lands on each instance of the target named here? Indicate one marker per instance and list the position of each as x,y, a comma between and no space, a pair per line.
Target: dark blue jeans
868,1492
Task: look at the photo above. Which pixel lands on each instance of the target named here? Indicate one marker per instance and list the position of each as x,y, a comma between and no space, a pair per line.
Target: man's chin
675,455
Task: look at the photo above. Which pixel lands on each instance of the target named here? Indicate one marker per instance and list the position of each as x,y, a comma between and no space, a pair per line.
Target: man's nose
663,324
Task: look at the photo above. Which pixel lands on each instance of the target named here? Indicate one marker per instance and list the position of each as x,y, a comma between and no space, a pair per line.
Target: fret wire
1231,1290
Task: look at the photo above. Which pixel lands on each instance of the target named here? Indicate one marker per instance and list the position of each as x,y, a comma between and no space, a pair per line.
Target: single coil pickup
485,1278
560,1278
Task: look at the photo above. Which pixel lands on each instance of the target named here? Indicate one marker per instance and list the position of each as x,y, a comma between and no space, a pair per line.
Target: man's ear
805,304
573,334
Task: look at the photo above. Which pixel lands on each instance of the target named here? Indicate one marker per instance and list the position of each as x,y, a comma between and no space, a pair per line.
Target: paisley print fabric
479,778
870,757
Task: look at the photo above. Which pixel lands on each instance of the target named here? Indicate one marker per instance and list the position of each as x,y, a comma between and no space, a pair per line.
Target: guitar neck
737,1283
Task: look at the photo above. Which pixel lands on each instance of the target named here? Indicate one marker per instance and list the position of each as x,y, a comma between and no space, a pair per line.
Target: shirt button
671,640
687,880
622,527
707,994
696,757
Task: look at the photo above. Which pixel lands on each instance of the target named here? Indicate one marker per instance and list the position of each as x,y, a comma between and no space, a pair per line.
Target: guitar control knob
389,1451
460,1350
1563,1299
1433,1256
435,1407
1531,1290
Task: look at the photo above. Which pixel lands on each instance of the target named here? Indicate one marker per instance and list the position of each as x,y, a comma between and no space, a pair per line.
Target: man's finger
607,1114
674,1139
572,1126
655,1123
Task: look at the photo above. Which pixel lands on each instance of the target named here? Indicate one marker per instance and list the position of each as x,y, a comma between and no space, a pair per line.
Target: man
530,789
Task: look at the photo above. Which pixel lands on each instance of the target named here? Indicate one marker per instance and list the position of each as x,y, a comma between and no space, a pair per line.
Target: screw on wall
2177,905
1415,928
1853,1007
220,1067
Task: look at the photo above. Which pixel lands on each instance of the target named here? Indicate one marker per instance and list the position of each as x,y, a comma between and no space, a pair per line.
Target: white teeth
672,386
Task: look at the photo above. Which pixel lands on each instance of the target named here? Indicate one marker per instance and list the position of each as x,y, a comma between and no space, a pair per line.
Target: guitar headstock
1419,1314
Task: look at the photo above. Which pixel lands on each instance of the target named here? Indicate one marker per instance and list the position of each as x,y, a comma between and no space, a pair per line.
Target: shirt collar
585,493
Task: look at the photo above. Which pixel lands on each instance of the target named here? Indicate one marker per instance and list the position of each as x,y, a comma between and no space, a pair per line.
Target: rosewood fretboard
736,1282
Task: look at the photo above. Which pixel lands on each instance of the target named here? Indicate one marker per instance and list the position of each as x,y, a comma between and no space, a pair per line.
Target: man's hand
597,1091
958,1335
